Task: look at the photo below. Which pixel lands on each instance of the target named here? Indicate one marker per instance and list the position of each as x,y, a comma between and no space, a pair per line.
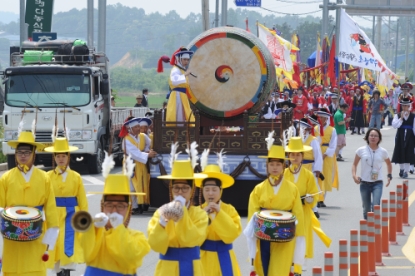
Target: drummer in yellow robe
328,149
178,242
217,255
178,107
276,193
70,198
110,246
26,185
134,144
306,184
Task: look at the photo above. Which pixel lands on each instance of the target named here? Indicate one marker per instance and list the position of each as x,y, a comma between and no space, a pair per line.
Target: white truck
43,86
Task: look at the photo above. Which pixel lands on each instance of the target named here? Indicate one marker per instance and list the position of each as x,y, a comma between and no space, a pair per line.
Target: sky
188,6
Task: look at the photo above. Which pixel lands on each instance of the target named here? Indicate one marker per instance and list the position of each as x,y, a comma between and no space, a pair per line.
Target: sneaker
339,158
400,173
322,204
317,214
405,175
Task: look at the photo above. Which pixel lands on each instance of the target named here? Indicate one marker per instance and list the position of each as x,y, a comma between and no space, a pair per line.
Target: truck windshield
42,90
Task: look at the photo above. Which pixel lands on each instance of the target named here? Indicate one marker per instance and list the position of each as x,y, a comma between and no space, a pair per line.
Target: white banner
356,48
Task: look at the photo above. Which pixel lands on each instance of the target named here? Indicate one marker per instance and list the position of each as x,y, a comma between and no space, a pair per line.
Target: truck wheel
95,161
11,162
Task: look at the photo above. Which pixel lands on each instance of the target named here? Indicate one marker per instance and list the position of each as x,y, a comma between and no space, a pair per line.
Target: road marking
395,267
88,195
394,257
93,180
411,198
385,128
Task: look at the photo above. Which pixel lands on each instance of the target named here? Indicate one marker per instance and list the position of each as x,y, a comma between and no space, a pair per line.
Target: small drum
274,225
21,223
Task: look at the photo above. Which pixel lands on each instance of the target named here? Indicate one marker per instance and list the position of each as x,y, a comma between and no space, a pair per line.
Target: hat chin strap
25,167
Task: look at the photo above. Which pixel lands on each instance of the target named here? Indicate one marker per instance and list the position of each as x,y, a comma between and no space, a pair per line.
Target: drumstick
193,75
312,194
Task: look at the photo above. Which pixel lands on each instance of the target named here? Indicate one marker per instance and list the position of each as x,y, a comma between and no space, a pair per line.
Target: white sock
402,166
340,151
406,167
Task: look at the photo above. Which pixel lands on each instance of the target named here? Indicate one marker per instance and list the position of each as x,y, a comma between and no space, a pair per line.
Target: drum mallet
328,264
392,218
371,253
354,252
378,237
364,269
343,261
317,271
399,192
405,220
385,232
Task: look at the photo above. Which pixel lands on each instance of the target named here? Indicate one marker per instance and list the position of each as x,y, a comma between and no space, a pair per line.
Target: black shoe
339,158
135,211
317,214
140,208
353,132
400,173
411,172
145,207
359,133
322,204
363,132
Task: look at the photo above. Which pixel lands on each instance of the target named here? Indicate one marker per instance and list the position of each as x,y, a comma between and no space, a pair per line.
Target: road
342,214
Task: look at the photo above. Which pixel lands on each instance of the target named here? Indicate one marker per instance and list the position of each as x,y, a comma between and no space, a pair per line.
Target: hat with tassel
162,59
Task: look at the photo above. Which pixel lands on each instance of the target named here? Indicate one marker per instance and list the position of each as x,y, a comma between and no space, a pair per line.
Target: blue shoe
405,175
400,173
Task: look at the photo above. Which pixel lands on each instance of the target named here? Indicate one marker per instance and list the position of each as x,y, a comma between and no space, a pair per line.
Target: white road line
93,180
88,195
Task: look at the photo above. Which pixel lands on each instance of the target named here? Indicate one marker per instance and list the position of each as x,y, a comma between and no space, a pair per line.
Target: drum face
275,226
21,223
235,72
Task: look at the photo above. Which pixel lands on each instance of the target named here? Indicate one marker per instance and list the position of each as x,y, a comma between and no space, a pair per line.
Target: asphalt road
342,214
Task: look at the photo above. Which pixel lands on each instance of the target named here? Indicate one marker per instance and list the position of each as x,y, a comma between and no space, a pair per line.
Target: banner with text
39,16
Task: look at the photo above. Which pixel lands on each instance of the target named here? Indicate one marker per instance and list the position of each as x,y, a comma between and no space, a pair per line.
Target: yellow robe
331,178
72,187
25,258
189,231
287,198
226,227
120,250
309,155
141,178
171,104
306,184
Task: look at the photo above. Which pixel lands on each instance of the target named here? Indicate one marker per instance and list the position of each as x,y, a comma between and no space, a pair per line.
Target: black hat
290,104
405,101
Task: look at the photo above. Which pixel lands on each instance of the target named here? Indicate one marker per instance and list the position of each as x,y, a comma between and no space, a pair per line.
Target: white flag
356,48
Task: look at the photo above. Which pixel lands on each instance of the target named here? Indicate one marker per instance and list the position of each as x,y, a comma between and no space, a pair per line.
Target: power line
285,13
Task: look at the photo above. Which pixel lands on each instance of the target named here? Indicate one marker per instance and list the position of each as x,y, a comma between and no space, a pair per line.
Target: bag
64,52
78,42
80,53
31,56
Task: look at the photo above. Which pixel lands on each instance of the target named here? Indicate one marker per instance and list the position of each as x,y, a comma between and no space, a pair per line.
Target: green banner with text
39,16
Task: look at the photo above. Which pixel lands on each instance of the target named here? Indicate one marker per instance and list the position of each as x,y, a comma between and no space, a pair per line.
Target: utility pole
217,14
379,33
205,14
102,23
407,48
23,29
325,18
224,12
396,46
338,18
373,30
388,44
90,13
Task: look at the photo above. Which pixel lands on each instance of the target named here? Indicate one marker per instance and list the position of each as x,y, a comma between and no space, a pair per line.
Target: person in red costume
301,105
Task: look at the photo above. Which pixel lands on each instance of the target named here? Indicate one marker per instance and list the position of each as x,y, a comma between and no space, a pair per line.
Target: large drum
275,226
21,223
235,72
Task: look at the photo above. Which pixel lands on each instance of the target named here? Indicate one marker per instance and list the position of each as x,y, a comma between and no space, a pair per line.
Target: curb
3,167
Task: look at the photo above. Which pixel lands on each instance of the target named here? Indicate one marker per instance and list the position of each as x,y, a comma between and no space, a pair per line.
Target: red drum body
21,223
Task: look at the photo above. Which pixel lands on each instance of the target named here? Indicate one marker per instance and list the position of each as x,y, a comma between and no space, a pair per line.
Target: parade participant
405,88
134,144
70,198
371,180
334,105
283,107
403,153
178,229
307,187
301,103
178,107
26,185
217,255
314,101
110,246
269,108
340,126
349,101
276,193
328,148
358,111
375,109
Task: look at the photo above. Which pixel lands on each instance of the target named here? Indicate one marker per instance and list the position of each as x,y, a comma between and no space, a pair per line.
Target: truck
45,86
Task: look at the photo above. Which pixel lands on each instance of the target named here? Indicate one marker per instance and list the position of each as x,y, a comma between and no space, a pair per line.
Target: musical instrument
81,221
21,223
172,211
235,70
274,225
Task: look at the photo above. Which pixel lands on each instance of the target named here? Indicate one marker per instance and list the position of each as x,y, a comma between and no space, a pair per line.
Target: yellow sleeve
253,205
81,195
91,241
128,247
227,225
299,214
3,190
157,234
51,211
193,225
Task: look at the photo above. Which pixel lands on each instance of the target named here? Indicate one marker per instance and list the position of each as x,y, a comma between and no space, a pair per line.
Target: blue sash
357,108
406,127
70,203
223,253
325,145
308,161
176,89
40,208
184,256
93,271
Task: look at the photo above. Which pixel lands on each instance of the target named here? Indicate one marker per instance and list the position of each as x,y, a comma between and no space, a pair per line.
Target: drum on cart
235,72
275,225
21,223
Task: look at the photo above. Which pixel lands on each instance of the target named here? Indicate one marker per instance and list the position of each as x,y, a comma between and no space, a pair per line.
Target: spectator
145,98
340,126
389,110
371,180
139,99
375,110
112,101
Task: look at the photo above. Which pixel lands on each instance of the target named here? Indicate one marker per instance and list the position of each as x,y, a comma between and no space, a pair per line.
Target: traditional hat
290,104
334,96
61,145
162,59
406,86
276,152
181,52
182,169
304,122
148,114
323,112
295,144
405,101
132,122
213,171
145,122
116,184
26,137
313,119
